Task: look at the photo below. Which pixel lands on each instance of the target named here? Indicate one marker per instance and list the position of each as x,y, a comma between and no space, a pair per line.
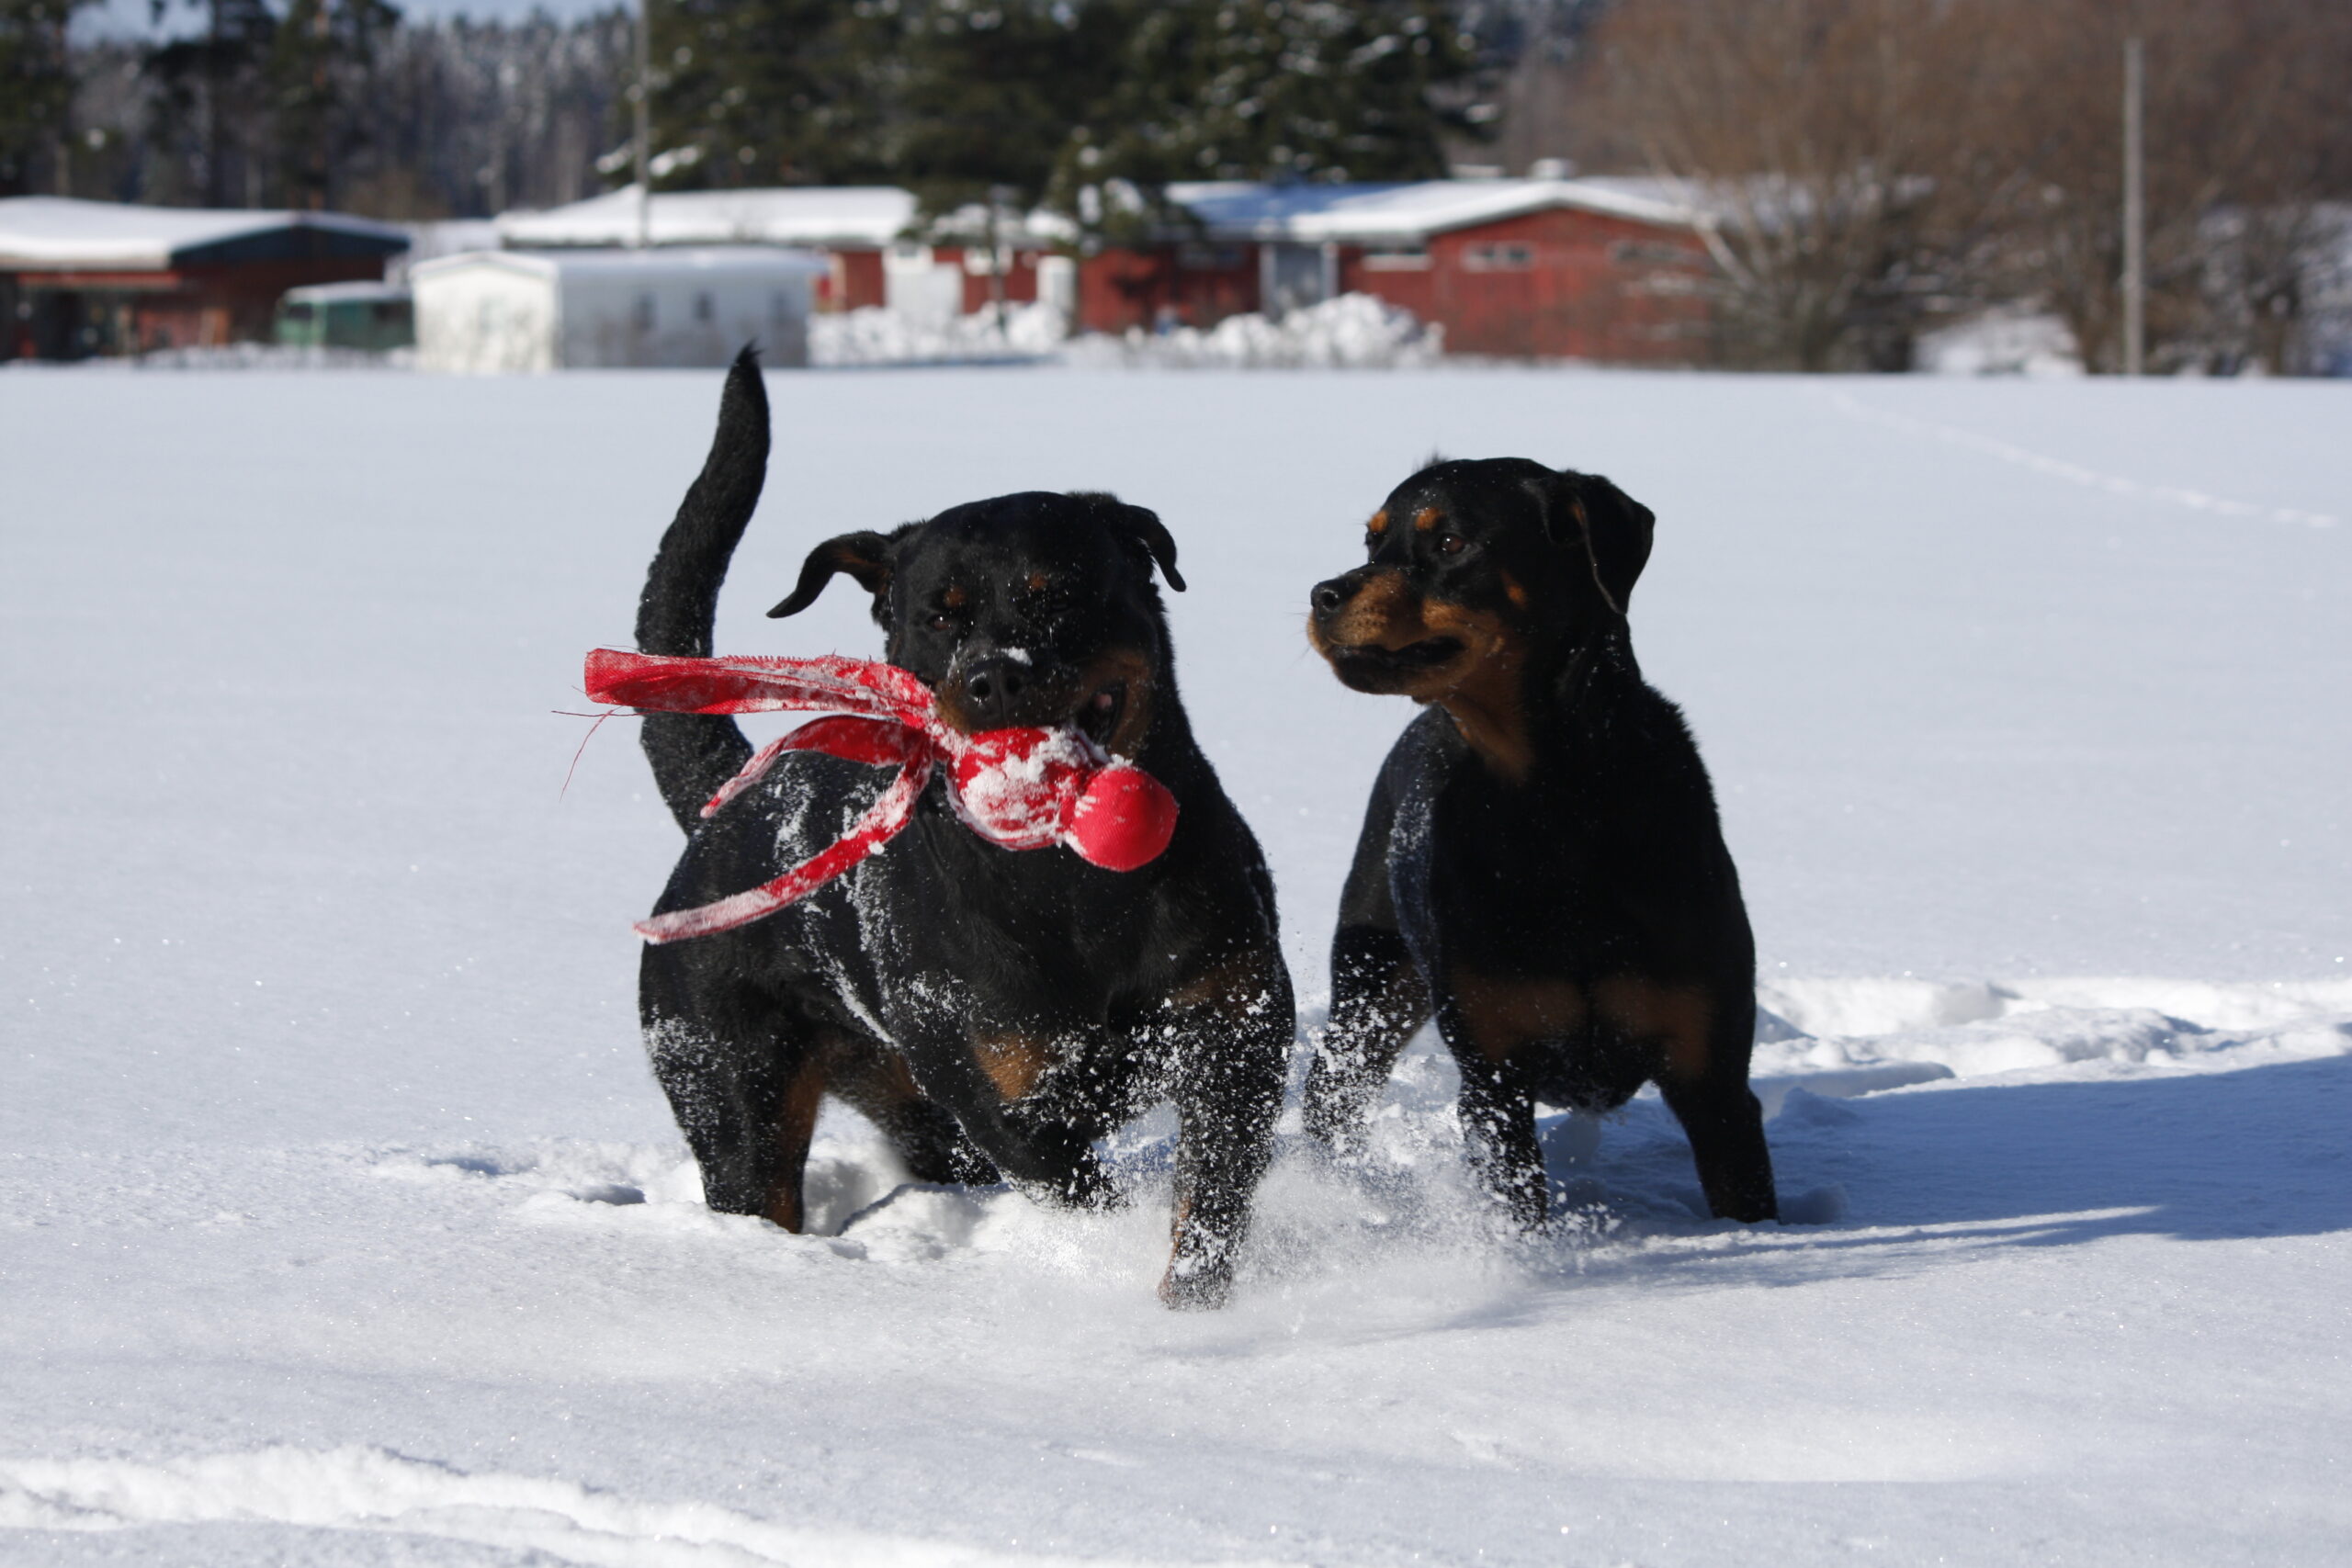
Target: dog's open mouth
1098,717
1413,659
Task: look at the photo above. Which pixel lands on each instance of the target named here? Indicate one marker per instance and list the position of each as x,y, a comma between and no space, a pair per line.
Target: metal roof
801,215
660,261
876,215
61,235
1310,213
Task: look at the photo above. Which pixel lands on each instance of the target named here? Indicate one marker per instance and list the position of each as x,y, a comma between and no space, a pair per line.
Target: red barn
1584,269
79,278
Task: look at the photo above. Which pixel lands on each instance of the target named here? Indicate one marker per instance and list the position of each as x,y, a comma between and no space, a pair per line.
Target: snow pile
877,335
1353,331
2000,343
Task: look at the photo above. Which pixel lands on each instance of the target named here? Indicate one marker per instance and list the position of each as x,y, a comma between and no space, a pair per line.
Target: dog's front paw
1200,1270
1199,1288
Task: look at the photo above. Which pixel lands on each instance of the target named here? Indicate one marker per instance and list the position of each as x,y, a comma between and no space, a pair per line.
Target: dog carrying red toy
1021,789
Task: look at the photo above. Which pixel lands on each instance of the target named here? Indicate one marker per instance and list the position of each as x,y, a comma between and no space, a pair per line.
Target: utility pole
641,140
2135,213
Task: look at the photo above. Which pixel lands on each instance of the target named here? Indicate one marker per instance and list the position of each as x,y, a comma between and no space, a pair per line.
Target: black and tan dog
986,1008
1541,865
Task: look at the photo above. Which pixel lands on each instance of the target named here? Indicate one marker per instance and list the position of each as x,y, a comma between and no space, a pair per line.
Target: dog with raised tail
994,1012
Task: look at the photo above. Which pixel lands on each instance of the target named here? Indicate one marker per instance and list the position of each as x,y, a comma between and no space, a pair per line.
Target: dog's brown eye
1451,544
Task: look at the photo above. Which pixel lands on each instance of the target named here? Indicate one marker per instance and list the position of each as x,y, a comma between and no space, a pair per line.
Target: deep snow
340,1221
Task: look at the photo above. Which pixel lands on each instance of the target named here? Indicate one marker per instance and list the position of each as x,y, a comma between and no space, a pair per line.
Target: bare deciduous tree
1876,165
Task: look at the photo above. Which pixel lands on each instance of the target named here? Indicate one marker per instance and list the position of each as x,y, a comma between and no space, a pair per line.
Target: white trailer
486,312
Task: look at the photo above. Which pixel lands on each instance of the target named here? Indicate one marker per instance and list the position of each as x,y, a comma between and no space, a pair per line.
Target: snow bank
1353,331
879,336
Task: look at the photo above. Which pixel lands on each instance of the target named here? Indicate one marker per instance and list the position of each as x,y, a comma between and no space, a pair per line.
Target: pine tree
210,115
1274,90
772,91
992,92
319,69
36,94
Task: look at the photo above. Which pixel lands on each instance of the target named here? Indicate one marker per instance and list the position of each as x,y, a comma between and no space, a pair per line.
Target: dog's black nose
992,686
1329,596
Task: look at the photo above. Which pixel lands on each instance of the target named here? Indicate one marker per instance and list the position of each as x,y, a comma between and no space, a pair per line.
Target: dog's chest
1030,934
1511,876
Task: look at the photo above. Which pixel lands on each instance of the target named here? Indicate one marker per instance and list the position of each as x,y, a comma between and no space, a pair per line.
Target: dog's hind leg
1725,1127
1696,1038
746,1097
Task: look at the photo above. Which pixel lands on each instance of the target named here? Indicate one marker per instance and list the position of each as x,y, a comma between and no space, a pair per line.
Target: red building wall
1560,283
854,283
1563,284
1190,285
75,313
1020,278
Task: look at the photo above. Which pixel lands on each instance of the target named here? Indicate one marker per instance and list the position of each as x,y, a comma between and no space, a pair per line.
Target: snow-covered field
341,1223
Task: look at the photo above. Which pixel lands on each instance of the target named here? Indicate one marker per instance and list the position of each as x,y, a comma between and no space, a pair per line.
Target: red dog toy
1022,789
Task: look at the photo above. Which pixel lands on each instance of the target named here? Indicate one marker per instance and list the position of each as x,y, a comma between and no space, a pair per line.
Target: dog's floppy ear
1143,527
1612,528
865,556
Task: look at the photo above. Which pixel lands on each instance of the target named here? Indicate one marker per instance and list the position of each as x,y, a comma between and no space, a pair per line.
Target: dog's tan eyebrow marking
1038,583
1378,523
954,598
1427,518
1511,589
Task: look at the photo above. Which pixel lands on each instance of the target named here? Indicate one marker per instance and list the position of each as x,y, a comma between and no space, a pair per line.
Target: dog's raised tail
693,754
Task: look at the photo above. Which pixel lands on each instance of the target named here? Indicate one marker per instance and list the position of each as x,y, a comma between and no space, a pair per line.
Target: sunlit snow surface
341,1223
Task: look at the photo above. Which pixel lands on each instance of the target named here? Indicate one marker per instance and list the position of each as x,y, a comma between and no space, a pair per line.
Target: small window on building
704,309
1209,258
1395,258
1651,254
644,315
1499,256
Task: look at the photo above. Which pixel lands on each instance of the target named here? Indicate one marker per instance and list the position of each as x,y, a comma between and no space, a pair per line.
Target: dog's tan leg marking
1672,1018
1502,1015
796,1122
875,1079
1231,983
1014,1062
